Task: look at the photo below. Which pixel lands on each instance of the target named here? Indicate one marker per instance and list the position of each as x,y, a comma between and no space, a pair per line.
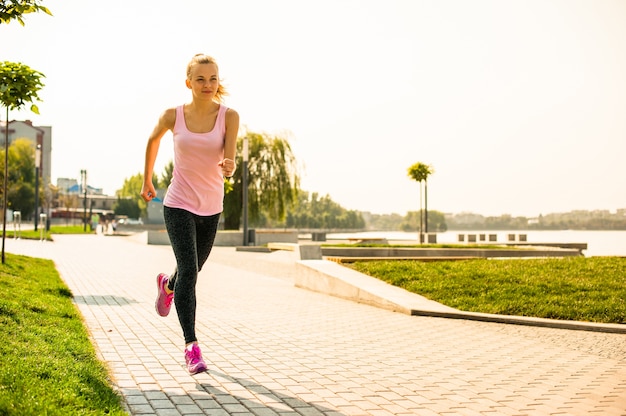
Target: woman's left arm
230,143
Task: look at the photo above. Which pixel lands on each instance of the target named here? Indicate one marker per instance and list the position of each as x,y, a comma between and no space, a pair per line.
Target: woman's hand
148,192
228,167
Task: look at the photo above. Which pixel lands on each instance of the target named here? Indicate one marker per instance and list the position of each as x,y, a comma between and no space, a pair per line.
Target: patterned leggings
192,238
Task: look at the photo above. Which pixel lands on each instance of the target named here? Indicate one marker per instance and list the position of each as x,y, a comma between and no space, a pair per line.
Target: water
599,243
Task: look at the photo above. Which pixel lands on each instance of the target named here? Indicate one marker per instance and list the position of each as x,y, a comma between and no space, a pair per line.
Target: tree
129,200
19,85
311,211
273,180
419,172
127,206
14,9
436,221
166,176
69,202
21,188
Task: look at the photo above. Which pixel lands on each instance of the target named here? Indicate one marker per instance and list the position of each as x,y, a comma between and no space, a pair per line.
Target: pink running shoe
163,302
193,358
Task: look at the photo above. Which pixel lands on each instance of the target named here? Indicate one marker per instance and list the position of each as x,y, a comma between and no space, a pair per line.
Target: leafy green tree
419,172
19,85
273,180
311,211
129,201
166,176
14,9
436,221
21,189
69,202
128,207
22,160
385,222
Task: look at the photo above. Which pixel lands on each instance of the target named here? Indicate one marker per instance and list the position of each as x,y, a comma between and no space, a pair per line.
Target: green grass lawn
55,229
572,288
48,365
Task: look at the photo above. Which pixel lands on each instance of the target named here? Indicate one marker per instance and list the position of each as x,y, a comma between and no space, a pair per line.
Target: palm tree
419,172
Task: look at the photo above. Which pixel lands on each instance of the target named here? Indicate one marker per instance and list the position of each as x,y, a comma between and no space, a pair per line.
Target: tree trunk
5,184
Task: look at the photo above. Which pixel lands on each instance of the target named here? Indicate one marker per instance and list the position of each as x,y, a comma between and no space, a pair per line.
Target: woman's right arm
165,123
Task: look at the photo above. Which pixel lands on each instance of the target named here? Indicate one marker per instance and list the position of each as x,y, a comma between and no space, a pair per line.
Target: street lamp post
421,215
426,208
37,168
83,175
245,190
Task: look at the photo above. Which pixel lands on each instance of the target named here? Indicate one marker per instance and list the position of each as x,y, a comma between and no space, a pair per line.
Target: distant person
94,222
205,138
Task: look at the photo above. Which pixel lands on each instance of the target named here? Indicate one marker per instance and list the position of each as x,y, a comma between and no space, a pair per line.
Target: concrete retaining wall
232,238
443,252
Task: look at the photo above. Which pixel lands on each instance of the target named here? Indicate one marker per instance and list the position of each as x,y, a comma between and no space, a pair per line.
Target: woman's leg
206,229
181,229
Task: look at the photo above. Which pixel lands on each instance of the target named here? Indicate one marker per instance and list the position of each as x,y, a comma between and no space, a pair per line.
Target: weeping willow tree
273,180
419,172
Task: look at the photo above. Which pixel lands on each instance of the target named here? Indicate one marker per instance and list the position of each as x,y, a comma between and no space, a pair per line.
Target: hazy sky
519,106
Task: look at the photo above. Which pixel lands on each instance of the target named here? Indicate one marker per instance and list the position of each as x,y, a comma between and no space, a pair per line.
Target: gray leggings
192,238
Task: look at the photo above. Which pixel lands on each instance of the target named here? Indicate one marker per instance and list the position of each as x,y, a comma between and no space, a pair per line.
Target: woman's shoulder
168,117
231,115
171,112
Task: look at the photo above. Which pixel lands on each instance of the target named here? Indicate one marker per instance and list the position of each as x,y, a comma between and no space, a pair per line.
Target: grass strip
591,289
47,235
48,365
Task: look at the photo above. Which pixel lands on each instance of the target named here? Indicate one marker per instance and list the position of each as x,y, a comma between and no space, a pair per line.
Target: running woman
205,136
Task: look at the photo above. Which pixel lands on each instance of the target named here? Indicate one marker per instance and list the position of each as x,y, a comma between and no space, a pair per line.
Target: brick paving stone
167,412
140,409
274,349
189,409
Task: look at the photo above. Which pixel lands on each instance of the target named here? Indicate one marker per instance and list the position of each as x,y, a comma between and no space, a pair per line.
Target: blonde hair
201,58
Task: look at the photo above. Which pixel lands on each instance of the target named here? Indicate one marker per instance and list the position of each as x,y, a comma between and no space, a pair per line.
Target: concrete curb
330,278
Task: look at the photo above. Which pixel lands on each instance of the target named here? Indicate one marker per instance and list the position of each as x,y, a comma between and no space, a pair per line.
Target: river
599,243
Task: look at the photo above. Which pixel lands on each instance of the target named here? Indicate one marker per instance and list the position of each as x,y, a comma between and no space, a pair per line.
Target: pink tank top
197,182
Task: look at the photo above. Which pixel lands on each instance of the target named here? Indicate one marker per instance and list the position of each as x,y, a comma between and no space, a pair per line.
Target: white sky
520,106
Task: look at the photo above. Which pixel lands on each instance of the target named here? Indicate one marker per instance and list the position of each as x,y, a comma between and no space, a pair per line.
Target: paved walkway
274,349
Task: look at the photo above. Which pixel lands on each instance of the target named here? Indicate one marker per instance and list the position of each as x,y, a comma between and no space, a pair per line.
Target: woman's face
204,81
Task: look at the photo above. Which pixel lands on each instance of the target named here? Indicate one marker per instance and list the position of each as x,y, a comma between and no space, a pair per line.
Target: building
95,201
66,184
38,135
